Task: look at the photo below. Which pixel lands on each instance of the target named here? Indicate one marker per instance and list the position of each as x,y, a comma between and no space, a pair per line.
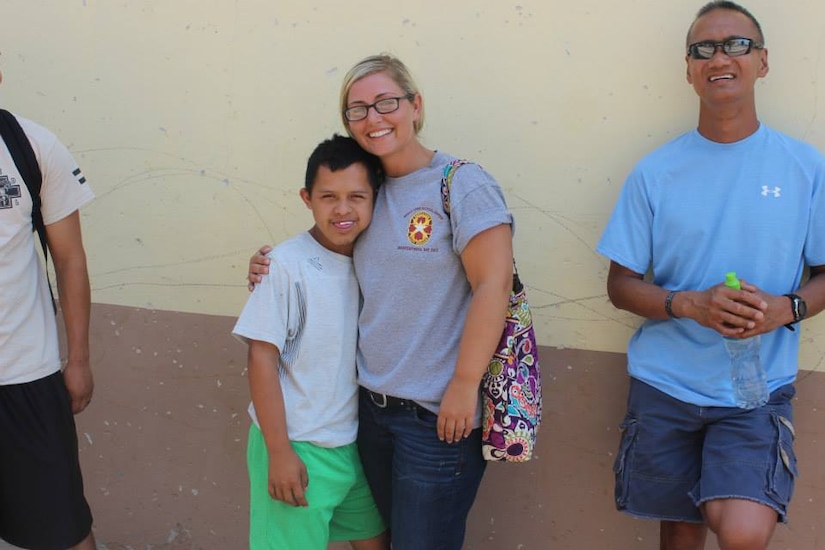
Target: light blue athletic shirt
693,210
413,284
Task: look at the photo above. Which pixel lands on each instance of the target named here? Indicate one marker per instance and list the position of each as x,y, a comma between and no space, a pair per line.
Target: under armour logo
775,191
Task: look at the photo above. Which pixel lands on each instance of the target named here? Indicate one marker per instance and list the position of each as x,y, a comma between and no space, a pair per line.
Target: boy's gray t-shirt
307,307
415,291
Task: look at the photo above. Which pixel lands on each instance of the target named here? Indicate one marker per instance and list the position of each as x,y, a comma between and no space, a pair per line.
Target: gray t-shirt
308,308
414,288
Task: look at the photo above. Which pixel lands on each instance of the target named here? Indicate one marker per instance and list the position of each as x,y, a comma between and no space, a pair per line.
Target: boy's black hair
340,152
732,6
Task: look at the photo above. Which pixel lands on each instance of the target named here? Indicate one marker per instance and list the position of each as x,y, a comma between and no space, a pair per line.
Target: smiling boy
307,487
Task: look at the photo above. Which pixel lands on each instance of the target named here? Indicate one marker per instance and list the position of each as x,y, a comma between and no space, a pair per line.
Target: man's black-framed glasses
382,106
733,47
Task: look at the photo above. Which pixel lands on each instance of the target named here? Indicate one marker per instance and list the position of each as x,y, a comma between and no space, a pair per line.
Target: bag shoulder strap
446,185
26,162
447,181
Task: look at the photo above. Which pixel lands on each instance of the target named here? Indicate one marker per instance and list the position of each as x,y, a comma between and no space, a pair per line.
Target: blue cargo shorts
674,456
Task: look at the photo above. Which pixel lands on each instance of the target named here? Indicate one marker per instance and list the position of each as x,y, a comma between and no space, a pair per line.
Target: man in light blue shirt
731,195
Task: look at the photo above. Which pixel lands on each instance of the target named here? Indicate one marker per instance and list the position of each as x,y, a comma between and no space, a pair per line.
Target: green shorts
340,503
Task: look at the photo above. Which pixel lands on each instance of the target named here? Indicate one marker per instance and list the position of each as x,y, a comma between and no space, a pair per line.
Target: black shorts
42,506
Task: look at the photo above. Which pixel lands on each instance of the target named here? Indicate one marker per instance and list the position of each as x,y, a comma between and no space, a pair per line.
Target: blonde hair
381,63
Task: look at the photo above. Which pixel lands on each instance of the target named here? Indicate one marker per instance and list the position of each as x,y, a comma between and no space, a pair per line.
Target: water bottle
750,383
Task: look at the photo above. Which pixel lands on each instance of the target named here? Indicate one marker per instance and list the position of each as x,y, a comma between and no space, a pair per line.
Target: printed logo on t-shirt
9,192
79,175
420,228
775,191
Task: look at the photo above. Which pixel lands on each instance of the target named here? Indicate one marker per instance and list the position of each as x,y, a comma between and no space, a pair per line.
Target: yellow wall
192,120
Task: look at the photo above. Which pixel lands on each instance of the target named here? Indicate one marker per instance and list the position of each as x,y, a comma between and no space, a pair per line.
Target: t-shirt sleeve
266,315
64,186
476,204
815,242
627,238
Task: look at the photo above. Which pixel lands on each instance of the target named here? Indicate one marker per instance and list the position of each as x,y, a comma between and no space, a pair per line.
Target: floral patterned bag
511,387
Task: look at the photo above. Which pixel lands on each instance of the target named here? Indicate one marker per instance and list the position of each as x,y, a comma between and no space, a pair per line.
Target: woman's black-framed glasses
382,106
733,47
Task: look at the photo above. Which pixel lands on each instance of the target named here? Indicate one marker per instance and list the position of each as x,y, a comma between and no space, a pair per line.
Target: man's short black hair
340,152
727,5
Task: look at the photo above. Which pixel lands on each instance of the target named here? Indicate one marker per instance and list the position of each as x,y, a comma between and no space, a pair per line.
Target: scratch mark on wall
815,110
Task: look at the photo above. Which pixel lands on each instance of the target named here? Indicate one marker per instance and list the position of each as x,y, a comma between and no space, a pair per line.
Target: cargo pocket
622,465
781,482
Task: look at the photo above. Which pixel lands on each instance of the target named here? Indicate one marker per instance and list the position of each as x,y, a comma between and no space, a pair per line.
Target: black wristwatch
799,309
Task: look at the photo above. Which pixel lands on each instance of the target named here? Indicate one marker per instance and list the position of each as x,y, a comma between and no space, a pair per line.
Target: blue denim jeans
423,487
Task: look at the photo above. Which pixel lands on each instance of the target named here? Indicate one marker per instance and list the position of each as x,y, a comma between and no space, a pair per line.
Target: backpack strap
26,162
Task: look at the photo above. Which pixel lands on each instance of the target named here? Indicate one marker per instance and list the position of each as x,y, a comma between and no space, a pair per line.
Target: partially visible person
42,505
731,195
307,486
435,292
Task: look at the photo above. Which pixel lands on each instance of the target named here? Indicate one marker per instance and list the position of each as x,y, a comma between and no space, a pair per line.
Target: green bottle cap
731,281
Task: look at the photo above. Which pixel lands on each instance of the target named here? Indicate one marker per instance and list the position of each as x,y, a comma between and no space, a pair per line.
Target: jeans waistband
384,401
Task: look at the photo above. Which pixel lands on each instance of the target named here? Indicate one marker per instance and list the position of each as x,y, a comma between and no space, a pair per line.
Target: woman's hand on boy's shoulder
258,266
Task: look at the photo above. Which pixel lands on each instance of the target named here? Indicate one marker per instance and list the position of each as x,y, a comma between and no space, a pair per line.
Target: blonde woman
435,289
